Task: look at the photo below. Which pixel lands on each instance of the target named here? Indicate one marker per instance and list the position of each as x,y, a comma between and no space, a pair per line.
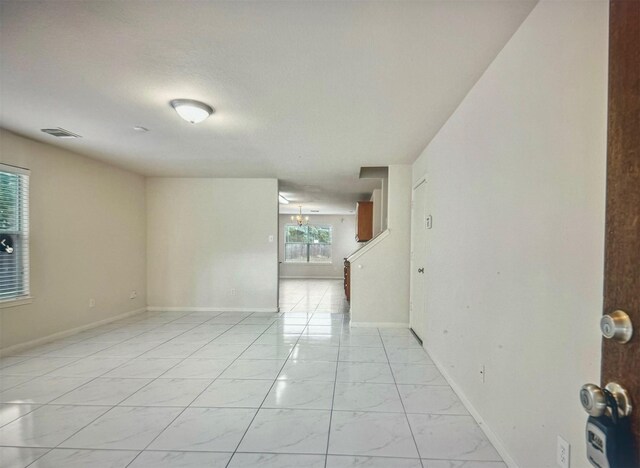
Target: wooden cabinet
364,221
347,279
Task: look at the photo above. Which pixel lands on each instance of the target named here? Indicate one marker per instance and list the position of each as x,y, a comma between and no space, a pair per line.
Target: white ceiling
304,91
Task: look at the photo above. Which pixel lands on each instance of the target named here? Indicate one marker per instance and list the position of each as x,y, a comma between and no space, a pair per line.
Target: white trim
493,438
16,302
369,245
313,277
379,325
64,334
211,309
14,169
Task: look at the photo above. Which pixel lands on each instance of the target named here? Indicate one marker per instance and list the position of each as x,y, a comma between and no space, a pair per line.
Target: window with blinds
14,233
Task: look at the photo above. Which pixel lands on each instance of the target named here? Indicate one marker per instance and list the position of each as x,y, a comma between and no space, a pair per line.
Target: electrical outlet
92,302
271,238
563,453
233,291
482,373
133,294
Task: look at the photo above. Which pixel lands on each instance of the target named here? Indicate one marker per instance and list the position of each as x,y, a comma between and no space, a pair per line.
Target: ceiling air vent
60,133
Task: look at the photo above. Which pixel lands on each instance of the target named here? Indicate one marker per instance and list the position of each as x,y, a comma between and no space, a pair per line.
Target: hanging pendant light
301,220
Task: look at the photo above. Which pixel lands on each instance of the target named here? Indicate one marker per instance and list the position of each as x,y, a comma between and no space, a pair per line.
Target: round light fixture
192,111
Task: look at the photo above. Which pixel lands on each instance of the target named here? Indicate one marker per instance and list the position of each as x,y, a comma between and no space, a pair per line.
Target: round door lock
593,400
616,326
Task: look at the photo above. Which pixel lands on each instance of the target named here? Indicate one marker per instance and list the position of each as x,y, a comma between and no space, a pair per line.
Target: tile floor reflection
228,389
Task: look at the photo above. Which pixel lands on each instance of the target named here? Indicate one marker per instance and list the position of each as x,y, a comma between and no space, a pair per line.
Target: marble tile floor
298,388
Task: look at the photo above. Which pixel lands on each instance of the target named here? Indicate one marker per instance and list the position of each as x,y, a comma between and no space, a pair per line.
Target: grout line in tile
401,402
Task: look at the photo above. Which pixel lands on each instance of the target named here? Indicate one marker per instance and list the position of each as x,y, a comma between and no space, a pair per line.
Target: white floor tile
14,457
38,365
253,369
168,392
41,389
371,434
359,354
47,426
190,388
234,393
9,381
299,394
92,366
364,372
451,437
394,341
198,368
123,428
322,371
287,431
143,368
205,429
215,350
361,396
307,352
260,351
102,391
10,412
408,355
431,399
71,458
417,374
153,459
275,460
345,461
461,464
371,341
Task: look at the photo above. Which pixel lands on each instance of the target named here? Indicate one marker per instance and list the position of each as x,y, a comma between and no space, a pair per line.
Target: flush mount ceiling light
192,111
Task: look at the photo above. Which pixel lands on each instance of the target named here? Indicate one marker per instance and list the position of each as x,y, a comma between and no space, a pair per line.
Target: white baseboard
313,277
493,438
66,333
380,324
211,309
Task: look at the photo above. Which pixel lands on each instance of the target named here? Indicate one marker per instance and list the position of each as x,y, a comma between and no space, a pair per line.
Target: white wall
207,237
376,198
516,187
380,271
87,240
343,244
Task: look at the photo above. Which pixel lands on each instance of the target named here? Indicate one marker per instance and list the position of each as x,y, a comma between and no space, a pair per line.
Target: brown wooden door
621,362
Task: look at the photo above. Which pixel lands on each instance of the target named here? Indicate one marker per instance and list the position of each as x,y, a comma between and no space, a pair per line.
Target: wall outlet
563,453
92,302
271,238
483,373
233,291
133,294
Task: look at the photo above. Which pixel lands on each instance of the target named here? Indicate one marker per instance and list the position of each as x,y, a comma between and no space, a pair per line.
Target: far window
310,243
14,233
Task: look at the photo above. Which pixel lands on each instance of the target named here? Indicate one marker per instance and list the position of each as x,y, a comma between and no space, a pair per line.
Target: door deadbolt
616,326
594,400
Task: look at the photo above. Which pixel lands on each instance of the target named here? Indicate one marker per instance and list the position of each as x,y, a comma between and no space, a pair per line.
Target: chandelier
301,220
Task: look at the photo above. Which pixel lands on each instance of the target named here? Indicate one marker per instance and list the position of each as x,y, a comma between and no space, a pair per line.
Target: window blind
14,233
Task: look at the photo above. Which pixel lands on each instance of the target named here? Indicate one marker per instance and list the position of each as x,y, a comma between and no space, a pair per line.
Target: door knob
616,326
420,270
594,399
